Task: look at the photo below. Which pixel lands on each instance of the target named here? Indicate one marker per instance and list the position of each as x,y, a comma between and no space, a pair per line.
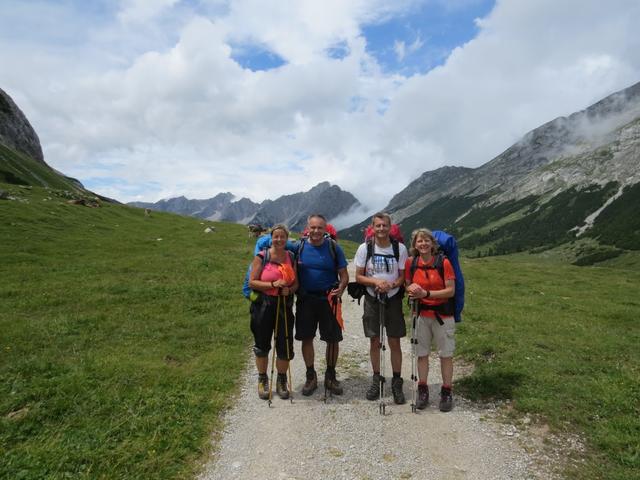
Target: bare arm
254,279
344,280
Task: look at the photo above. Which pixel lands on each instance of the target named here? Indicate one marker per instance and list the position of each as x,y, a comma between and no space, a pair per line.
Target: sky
151,99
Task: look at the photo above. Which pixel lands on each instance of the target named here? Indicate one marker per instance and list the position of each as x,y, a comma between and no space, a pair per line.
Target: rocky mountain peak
15,130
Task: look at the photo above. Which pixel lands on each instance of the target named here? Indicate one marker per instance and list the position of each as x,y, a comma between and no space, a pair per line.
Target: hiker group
314,269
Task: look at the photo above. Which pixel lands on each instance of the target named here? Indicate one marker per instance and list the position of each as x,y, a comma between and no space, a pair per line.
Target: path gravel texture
346,437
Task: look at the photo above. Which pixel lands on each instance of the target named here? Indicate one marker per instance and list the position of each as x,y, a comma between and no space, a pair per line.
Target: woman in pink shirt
277,281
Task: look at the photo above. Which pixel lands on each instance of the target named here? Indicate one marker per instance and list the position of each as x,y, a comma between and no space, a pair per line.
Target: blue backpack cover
263,242
449,246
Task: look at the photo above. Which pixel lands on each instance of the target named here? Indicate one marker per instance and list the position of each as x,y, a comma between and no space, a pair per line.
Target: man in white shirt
380,267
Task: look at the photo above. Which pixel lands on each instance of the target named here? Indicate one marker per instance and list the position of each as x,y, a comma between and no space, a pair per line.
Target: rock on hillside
15,130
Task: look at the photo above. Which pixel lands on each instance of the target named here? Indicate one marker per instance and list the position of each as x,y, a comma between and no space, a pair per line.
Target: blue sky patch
256,58
423,39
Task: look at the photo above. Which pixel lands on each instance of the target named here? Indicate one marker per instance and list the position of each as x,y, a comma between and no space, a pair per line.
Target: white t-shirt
382,264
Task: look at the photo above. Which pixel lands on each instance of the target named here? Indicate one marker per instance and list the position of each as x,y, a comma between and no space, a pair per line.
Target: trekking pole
286,337
382,299
414,346
330,348
273,354
329,356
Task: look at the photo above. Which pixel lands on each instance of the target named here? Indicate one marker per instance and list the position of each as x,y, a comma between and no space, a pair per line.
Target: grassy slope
124,348
17,168
562,342
118,350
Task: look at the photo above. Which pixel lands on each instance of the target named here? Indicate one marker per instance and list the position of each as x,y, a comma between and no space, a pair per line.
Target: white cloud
399,48
138,11
153,105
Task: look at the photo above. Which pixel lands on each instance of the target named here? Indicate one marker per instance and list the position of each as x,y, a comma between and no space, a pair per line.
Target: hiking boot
373,392
281,386
446,399
332,384
263,386
310,385
396,390
423,397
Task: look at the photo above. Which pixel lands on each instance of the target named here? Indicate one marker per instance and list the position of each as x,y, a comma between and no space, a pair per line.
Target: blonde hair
280,226
422,232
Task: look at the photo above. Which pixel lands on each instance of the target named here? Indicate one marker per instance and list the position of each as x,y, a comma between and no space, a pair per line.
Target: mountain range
572,184
292,210
573,179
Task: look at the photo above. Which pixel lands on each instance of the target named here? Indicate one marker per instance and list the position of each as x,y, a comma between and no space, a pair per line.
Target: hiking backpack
357,290
447,248
395,235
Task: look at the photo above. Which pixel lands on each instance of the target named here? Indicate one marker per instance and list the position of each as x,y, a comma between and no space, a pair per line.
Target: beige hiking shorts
429,331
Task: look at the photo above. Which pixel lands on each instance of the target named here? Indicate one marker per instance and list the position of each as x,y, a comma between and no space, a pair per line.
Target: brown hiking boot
332,384
423,397
446,399
310,385
396,390
281,386
373,392
263,386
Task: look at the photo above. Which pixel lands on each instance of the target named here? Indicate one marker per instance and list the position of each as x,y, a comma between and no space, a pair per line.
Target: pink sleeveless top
271,273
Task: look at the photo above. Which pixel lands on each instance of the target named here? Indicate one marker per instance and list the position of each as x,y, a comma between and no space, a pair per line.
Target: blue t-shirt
317,268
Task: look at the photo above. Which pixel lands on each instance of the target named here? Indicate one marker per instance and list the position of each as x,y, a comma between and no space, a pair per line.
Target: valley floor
346,437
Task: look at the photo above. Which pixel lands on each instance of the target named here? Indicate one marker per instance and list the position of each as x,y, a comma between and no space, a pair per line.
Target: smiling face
381,228
279,238
317,228
423,244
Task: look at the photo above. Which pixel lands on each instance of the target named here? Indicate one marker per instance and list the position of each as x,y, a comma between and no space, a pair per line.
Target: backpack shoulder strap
333,247
370,249
292,259
266,256
396,249
300,248
414,266
438,264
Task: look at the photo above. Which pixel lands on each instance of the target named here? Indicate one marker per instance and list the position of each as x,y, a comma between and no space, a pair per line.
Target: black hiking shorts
313,311
263,323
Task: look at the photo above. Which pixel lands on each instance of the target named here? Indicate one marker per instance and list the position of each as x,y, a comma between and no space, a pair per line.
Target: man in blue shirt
322,274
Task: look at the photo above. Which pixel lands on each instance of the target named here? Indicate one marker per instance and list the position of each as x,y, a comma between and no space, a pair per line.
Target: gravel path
346,437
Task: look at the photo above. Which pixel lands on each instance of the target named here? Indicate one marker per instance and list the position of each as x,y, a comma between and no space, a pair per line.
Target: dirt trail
346,437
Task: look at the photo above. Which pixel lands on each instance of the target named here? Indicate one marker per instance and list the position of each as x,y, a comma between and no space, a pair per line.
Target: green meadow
560,342
122,338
